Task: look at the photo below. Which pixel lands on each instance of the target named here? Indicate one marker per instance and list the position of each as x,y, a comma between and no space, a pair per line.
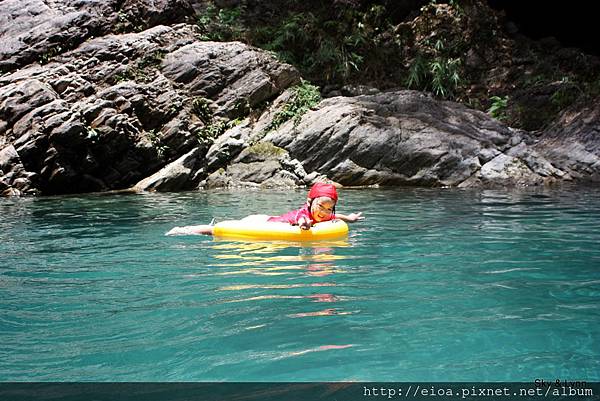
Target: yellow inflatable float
273,231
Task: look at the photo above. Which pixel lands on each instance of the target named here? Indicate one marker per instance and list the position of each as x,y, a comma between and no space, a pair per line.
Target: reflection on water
275,246
265,259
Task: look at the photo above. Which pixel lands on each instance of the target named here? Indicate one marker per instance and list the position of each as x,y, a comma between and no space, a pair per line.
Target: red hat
323,189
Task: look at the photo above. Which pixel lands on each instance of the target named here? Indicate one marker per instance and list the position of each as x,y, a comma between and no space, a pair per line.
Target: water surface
436,285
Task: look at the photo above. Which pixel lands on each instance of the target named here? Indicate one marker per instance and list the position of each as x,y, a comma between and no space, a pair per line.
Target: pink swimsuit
293,216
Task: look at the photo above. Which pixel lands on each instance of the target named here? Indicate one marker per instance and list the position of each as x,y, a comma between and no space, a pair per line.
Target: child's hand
352,217
304,223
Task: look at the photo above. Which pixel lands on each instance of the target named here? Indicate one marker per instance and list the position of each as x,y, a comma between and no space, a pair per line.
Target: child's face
322,208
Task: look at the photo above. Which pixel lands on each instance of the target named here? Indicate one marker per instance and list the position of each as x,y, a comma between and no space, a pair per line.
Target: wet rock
503,171
176,176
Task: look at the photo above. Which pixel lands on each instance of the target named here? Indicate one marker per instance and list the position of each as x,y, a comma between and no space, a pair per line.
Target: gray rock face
176,176
118,108
260,165
408,138
236,76
239,158
573,143
98,95
36,30
14,179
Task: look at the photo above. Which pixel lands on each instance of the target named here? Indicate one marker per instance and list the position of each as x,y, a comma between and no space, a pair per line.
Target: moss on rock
265,150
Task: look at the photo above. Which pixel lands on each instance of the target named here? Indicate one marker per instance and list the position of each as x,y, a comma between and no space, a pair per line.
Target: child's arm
304,223
350,218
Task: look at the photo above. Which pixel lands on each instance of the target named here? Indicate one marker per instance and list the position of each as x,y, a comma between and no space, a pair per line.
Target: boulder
118,108
14,179
37,31
409,138
226,147
503,170
176,176
260,165
235,76
572,143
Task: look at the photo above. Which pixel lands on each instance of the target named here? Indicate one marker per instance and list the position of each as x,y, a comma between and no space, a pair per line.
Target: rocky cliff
99,96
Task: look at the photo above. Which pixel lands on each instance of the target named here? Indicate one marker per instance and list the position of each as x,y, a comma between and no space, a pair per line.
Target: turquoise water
435,285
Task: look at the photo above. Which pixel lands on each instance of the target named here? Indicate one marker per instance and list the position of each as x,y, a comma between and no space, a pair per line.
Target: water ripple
434,285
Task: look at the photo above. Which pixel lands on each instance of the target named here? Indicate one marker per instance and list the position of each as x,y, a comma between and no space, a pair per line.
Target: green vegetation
534,80
92,134
221,25
498,107
212,127
566,94
592,89
126,24
317,47
133,74
304,97
153,60
201,108
157,143
215,128
438,73
265,149
348,42
564,97
143,70
209,132
325,42
456,49
52,52
535,109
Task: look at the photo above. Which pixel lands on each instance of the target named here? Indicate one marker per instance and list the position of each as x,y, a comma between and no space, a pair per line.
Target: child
319,206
